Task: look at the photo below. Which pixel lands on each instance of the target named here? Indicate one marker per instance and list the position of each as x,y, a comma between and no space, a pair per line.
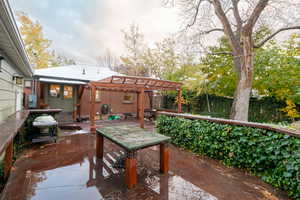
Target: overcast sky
84,29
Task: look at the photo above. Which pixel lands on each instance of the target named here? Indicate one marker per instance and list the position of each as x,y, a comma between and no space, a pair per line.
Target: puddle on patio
69,170
77,182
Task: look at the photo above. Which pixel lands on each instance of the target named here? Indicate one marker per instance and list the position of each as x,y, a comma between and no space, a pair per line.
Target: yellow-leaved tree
36,45
291,110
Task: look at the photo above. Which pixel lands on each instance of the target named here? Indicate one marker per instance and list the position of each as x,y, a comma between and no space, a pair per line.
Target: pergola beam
144,78
117,89
135,87
141,81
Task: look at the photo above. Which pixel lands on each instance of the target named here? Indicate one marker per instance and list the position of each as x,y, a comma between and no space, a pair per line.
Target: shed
60,87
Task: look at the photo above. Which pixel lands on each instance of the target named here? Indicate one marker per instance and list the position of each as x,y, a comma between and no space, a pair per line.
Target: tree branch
196,14
221,53
238,18
255,15
212,30
215,53
274,34
226,24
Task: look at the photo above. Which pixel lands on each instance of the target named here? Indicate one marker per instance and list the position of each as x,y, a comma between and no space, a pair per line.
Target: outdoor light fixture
1,60
28,83
18,79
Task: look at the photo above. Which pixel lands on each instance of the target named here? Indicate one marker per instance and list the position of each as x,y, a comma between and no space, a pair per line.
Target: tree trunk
240,106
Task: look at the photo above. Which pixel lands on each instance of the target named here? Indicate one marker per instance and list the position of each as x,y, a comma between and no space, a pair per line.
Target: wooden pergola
133,84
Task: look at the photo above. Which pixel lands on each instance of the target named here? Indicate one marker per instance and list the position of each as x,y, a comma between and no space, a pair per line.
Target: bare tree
135,47
238,20
108,59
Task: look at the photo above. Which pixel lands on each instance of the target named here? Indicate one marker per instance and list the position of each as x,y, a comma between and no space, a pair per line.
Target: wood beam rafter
131,86
137,79
117,89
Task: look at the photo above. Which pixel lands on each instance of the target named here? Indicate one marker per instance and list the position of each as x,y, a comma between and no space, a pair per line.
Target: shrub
275,157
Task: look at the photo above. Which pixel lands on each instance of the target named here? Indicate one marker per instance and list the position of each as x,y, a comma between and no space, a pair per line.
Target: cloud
104,29
83,29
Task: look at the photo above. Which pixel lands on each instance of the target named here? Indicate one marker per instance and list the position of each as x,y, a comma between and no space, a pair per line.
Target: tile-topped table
133,138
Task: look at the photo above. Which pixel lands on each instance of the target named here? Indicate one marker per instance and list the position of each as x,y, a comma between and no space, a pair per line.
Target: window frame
98,95
68,97
130,101
58,93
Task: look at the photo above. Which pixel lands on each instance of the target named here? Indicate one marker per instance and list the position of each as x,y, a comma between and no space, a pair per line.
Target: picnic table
133,138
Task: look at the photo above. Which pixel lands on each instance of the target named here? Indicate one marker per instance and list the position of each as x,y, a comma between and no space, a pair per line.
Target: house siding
11,94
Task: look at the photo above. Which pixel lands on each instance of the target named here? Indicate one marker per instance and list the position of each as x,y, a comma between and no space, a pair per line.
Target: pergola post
92,109
142,107
179,98
80,90
38,93
138,105
75,105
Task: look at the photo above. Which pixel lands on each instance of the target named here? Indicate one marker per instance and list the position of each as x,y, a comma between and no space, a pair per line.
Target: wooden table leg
130,170
8,159
164,158
99,169
164,187
99,146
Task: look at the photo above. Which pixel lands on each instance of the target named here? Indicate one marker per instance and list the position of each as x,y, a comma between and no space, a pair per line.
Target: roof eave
15,39
60,78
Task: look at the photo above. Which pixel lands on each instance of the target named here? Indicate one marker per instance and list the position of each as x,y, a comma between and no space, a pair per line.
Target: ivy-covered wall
274,157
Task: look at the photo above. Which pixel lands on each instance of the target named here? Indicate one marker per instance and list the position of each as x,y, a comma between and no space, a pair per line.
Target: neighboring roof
135,83
51,80
75,72
11,44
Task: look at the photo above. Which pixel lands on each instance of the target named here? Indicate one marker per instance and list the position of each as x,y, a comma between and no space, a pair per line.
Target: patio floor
69,170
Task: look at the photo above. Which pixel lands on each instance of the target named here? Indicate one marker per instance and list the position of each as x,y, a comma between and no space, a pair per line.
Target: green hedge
273,156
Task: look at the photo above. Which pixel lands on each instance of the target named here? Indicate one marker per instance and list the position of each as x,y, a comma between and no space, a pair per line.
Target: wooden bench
133,138
8,130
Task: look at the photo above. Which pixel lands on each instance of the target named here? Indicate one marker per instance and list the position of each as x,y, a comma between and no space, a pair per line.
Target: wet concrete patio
68,169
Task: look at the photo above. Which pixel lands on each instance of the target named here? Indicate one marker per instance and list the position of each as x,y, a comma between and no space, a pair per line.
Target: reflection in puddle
63,183
72,132
84,180
178,188
182,189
